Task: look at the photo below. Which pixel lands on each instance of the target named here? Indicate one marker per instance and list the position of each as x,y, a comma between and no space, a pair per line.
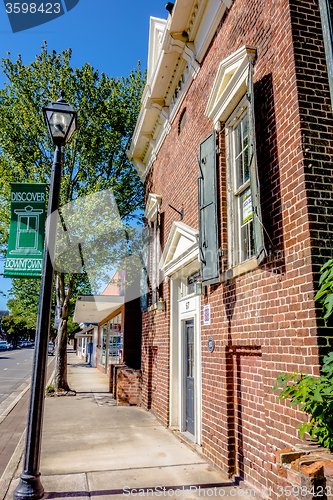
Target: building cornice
185,40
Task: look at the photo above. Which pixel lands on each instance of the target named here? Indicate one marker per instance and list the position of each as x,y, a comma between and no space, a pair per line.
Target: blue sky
111,35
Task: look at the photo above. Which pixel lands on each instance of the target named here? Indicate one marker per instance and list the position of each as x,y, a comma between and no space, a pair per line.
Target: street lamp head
60,119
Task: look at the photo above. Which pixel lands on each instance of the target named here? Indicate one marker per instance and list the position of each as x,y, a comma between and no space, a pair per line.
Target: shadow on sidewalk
80,365
151,490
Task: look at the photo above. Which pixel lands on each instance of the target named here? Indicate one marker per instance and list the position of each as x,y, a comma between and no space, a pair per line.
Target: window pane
238,140
239,171
246,165
246,206
252,247
245,150
244,243
245,220
238,156
241,152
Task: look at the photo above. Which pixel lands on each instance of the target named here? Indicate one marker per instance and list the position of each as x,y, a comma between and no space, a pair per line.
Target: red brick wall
128,387
317,138
155,362
269,310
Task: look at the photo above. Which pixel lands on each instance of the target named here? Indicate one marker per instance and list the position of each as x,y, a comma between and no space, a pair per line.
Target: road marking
17,363
5,368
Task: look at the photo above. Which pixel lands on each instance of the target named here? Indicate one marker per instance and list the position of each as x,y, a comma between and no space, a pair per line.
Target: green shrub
49,389
325,293
315,397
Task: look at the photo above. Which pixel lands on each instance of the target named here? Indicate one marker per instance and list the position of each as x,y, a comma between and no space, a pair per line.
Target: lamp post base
29,488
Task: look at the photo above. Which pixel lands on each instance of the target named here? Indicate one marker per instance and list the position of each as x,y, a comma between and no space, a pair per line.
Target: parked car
3,345
9,345
51,348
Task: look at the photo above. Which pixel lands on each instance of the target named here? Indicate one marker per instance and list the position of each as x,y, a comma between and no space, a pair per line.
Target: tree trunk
63,296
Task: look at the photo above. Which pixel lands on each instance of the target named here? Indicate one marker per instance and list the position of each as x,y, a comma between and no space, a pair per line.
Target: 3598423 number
302,491
32,8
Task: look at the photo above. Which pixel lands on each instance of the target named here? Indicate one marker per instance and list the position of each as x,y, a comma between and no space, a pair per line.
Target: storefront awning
95,308
85,332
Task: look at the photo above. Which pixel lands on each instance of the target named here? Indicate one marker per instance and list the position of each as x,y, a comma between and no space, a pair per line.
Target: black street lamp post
60,119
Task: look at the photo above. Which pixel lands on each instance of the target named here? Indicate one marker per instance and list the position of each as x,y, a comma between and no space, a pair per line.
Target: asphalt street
15,368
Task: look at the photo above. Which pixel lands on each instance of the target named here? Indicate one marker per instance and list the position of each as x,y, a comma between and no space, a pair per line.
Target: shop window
115,340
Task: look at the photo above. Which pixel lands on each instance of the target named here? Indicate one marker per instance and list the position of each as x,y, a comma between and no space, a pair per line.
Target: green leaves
325,293
314,395
95,159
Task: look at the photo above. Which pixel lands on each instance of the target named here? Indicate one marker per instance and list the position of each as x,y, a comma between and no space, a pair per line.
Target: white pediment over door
230,84
180,250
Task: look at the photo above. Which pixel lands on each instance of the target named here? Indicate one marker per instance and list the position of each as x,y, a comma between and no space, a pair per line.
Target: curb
51,379
12,466
13,404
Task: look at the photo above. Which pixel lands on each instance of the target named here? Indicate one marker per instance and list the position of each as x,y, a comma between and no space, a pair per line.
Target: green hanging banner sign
27,230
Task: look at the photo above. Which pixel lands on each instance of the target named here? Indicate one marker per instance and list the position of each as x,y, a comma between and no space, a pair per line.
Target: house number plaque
211,344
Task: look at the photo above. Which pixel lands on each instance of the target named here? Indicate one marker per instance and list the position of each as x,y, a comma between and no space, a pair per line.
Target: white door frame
181,310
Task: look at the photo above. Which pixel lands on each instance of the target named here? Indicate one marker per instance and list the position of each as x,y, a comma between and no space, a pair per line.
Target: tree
93,161
14,327
23,303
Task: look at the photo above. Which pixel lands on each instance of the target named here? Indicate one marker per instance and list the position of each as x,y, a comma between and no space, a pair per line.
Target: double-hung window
232,102
240,213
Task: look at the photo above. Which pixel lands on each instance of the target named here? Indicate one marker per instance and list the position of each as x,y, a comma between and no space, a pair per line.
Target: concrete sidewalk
94,449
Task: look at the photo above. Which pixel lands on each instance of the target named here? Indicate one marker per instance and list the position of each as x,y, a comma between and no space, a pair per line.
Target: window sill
242,268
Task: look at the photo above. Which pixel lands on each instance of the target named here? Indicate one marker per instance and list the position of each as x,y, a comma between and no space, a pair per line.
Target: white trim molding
181,249
156,30
176,48
211,16
230,84
152,207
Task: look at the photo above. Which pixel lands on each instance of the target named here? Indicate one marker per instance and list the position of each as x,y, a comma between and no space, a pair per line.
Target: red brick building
234,145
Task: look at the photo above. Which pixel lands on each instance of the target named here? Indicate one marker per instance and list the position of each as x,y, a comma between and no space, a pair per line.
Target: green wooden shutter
144,280
208,220
254,180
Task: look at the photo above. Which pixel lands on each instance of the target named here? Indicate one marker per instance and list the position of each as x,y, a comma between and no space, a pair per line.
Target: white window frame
233,208
155,258
152,213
